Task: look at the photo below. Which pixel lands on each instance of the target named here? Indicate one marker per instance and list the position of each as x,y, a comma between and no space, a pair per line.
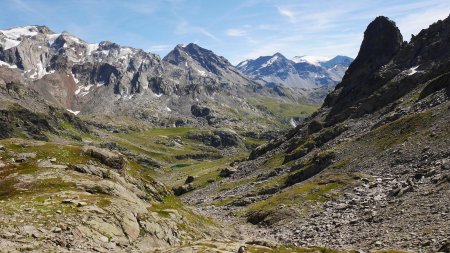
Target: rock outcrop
382,41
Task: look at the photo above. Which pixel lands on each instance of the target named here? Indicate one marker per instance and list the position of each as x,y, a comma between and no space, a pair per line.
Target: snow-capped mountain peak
301,71
274,58
12,37
17,32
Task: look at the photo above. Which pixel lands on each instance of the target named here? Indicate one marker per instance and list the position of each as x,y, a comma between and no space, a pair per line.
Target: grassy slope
158,144
284,110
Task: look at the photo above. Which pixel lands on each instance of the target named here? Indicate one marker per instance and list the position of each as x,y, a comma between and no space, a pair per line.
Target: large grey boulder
110,158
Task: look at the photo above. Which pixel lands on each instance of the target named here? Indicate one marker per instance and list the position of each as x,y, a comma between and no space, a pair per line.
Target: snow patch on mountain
17,32
270,62
2,63
293,122
9,43
412,70
314,60
83,90
91,48
201,72
242,64
74,112
105,52
51,38
75,79
126,52
13,36
41,71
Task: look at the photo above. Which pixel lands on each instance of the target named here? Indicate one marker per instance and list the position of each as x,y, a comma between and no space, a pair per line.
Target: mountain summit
198,61
192,52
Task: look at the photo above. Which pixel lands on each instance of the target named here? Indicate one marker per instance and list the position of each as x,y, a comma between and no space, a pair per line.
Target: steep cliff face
387,68
382,41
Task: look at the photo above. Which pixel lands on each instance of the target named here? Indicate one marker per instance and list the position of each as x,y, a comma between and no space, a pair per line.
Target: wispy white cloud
236,32
329,27
268,27
287,12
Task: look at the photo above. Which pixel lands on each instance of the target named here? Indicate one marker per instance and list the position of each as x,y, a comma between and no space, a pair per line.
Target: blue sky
237,30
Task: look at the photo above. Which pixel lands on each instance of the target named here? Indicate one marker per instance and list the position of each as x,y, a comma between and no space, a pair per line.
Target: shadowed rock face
379,74
432,45
24,112
382,40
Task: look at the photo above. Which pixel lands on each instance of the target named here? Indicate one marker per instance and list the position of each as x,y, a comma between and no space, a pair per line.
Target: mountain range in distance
300,72
108,79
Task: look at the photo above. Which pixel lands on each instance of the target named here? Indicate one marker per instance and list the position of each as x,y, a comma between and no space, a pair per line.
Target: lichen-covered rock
107,157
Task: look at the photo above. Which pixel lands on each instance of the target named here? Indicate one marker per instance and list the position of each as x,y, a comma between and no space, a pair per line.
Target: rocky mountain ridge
110,79
305,72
